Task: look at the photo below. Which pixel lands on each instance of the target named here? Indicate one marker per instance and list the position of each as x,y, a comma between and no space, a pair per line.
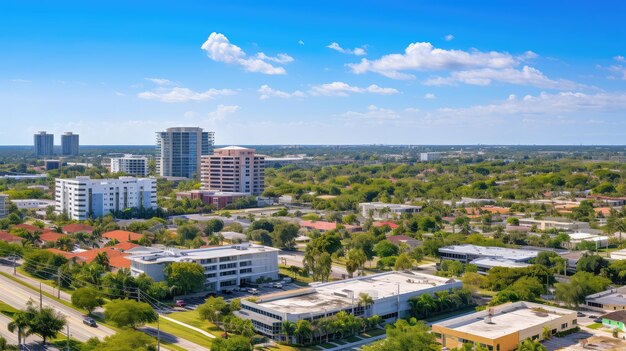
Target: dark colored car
90,322
180,303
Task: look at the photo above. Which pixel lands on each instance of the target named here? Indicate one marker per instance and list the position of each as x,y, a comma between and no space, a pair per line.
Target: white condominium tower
136,165
69,144
82,197
234,169
44,144
179,150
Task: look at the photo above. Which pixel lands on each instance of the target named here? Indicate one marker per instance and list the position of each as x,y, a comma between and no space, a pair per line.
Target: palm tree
303,331
288,329
65,243
531,345
21,324
366,301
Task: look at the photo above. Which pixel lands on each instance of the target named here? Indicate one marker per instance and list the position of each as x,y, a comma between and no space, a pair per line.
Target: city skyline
319,73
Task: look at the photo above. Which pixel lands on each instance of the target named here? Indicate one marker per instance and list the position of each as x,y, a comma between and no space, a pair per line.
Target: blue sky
321,72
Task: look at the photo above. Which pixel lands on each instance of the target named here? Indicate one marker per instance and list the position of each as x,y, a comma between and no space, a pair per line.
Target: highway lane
18,296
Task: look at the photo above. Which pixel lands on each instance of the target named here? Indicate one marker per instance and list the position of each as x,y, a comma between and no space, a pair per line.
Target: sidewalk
203,332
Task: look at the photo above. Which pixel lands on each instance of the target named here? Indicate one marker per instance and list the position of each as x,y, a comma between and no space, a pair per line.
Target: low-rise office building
503,327
381,210
608,300
600,241
219,199
486,263
390,292
544,224
82,197
225,267
27,204
4,205
468,253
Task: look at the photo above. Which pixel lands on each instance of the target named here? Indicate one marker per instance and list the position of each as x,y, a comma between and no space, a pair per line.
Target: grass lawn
373,332
7,310
192,318
352,339
327,345
299,280
183,332
595,326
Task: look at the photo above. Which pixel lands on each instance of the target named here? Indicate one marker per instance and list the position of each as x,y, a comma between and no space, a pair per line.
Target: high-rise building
44,144
4,205
179,151
82,197
130,164
69,144
234,169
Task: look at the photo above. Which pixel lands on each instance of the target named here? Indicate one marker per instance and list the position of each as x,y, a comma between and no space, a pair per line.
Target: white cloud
222,112
301,42
119,93
619,58
177,94
485,76
430,96
373,115
356,51
344,89
424,57
449,37
267,92
159,81
219,49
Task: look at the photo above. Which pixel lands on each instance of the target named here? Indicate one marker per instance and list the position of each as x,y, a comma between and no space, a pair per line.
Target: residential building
69,144
4,205
77,228
380,210
608,300
179,151
82,197
404,239
234,169
390,292
615,320
503,327
136,165
225,267
10,238
467,253
600,241
122,236
219,199
44,144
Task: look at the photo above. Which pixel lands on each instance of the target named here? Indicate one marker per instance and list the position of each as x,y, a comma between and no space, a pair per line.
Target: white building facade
136,165
381,210
225,267
234,169
82,197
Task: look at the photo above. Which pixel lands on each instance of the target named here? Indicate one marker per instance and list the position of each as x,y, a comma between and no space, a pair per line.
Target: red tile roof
76,228
65,254
90,255
125,246
30,228
51,236
324,226
10,238
119,262
122,235
391,225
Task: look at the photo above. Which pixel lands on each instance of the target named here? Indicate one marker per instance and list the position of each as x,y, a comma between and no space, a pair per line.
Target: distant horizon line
220,145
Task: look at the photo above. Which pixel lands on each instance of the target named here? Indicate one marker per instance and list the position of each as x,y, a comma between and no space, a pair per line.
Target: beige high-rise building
234,169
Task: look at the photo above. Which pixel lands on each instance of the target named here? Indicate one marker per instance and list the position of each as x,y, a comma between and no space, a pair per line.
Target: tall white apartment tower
82,197
44,144
234,169
136,165
179,150
69,144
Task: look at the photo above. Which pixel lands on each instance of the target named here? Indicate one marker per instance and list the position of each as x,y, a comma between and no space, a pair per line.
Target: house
31,228
50,237
10,238
77,228
233,237
403,239
326,226
391,224
615,320
122,236
68,255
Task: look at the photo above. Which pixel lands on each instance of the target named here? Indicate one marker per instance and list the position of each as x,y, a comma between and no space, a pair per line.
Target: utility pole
14,265
58,283
68,337
40,297
158,332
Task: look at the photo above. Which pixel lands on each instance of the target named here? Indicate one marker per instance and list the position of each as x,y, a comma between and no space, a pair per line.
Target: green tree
46,322
129,313
592,263
355,260
303,331
233,343
385,248
531,345
288,329
21,325
406,336
403,262
87,298
580,285
213,308
124,340
185,276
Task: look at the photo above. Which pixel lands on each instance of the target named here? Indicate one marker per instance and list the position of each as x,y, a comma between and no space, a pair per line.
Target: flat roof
609,297
385,205
498,262
506,319
175,255
491,251
587,236
338,295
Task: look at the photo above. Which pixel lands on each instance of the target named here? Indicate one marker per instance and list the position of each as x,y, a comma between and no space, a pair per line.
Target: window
564,325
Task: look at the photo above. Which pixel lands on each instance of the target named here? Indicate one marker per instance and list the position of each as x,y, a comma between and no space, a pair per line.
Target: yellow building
503,327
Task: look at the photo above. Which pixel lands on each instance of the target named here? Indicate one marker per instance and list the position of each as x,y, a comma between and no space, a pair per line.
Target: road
173,339
17,296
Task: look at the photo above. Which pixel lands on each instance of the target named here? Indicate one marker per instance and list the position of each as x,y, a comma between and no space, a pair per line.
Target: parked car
597,320
227,292
580,314
277,285
90,322
253,291
180,303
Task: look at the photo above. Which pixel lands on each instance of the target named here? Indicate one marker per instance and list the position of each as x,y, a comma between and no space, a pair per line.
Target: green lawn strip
47,282
327,345
595,326
373,332
192,318
183,332
7,310
36,289
60,342
352,339
340,342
